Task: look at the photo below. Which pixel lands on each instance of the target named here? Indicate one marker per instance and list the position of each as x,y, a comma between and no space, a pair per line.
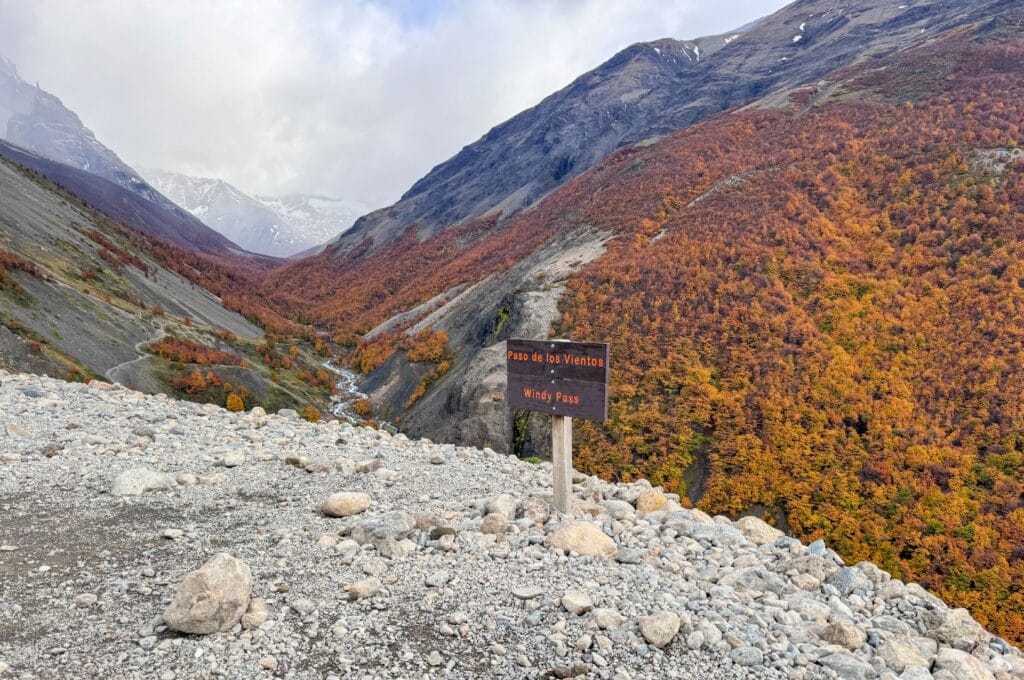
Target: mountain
50,138
648,90
161,218
83,295
277,226
813,301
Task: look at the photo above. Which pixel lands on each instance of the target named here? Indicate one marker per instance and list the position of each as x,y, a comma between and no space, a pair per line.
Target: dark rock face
651,89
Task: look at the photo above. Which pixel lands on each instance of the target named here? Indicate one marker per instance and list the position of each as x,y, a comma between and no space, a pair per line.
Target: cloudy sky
349,98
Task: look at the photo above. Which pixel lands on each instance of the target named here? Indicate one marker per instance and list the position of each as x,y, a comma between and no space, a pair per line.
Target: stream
344,402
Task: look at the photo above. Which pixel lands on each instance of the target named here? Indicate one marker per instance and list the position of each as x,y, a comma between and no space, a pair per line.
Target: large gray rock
719,534
385,532
211,599
137,481
844,634
758,579
848,667
955,627
849,579
900,652
962,665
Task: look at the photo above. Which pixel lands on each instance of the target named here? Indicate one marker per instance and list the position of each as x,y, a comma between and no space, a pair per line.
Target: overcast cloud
353,98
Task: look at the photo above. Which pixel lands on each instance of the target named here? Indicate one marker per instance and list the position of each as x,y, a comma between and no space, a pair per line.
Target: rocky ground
333,551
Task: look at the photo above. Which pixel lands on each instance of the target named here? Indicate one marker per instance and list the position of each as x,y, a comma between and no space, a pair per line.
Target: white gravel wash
86,574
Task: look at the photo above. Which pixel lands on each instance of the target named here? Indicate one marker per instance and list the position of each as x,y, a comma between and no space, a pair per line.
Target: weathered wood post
561,461
566,380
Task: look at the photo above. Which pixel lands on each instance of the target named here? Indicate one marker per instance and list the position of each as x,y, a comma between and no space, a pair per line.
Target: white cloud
354,98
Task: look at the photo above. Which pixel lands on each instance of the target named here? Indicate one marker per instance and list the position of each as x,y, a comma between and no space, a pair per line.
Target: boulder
385,532
503,504
720,534
211,599
954,627
844,634
758,531
847,667
650,501
659,628
584,538
345,504
137,481
961,665
849,579
900,652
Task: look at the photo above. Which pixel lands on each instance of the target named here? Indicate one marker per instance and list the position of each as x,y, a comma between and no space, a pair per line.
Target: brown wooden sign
558,378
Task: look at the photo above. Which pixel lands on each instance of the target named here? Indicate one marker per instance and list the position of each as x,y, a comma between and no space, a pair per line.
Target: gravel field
339,552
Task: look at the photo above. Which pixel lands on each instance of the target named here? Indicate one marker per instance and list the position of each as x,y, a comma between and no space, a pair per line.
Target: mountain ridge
279,226
650,89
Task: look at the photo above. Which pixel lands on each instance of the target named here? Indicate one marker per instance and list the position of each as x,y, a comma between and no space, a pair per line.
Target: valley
803,241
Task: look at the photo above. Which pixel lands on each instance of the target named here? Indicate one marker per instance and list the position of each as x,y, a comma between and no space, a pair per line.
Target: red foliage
184,351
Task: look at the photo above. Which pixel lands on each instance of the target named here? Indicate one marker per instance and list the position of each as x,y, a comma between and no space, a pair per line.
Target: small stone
186,479
232,459
438,579
577,602
659,628
303,606
607,619
367,587
172,533
268,663
527,592
435,658
345,504
256,614
746,656
437,459
371,465
85,600
137,481
494,523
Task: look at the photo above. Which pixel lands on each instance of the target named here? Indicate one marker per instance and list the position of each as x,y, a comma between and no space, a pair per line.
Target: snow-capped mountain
278,226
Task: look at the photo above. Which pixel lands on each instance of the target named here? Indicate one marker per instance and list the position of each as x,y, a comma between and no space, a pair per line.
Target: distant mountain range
277,226
52,140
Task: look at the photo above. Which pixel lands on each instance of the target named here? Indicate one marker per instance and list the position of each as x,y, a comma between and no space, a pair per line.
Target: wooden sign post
566,380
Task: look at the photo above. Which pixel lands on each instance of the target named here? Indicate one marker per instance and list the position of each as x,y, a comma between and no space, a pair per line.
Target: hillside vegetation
813,311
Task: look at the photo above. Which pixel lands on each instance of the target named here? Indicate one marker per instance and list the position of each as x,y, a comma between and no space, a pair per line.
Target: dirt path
114,374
